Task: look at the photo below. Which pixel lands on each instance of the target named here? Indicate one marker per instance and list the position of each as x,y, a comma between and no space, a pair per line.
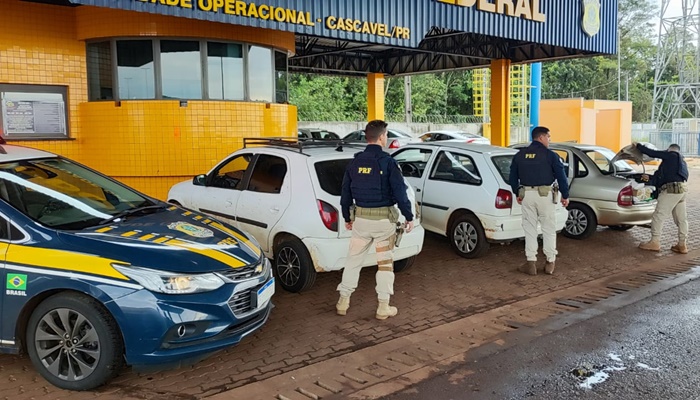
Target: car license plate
265,293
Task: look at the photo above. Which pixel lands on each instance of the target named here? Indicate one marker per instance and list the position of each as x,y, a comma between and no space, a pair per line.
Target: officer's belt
674,187
374,213
537,187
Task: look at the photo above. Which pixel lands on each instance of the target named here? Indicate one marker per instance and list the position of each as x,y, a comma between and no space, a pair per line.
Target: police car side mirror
200,180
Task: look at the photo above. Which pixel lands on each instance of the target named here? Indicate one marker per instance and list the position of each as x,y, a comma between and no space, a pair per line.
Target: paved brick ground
304,329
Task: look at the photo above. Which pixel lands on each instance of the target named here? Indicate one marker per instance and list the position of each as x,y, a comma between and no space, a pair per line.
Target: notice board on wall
33,112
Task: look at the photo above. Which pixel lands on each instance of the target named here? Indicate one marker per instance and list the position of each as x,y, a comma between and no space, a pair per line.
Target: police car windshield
63,195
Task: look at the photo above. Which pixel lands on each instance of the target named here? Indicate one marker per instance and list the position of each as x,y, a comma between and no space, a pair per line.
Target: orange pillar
500,102
375,96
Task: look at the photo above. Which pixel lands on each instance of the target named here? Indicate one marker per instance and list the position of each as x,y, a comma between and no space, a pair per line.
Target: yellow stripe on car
207,252
237,235
63,260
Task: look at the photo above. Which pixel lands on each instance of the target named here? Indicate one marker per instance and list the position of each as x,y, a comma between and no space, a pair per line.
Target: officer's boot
529,268
549,267
384,310
343,305
680,247
652,245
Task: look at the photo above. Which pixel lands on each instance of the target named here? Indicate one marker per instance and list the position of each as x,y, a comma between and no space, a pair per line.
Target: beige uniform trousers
539,209
670,203
364,233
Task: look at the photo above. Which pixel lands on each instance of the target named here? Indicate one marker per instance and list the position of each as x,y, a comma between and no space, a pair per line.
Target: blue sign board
586,25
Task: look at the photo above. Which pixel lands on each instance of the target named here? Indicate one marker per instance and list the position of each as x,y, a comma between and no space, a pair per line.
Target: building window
33,112
181,69
140,69
135,69
225,68
99,63
280,77
260,73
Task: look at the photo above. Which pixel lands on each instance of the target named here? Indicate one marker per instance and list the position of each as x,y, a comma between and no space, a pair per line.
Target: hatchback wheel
581,222
467,236
621,227
74,342
293,267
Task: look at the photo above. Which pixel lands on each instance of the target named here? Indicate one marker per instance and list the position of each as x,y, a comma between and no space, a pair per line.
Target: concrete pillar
500,102
375,96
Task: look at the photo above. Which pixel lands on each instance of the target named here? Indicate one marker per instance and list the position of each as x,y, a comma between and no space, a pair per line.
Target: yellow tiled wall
151,144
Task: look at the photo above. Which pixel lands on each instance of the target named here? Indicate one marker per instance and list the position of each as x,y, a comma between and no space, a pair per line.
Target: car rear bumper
331,254
610,213
508,228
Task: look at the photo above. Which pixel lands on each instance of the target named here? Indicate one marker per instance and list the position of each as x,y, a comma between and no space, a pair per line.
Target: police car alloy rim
67,344
288,266
465,237
577,222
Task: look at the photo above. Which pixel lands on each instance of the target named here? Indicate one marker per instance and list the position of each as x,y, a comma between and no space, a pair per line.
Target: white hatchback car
463,193
287,195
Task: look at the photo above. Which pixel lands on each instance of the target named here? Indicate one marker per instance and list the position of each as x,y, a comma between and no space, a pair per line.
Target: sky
675,9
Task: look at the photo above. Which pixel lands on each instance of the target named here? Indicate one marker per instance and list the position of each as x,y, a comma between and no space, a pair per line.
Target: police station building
153,92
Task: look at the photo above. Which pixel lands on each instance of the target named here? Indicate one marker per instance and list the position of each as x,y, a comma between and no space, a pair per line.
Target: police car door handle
416,187
274,209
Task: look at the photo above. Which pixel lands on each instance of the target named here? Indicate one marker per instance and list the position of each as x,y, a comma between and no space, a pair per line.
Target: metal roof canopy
398,37
440,50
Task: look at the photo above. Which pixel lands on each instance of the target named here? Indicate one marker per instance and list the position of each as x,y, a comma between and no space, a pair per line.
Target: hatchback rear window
330,175
502,164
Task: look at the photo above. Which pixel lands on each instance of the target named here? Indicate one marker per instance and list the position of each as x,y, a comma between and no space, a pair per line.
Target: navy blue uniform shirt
536,165
673,167
373,179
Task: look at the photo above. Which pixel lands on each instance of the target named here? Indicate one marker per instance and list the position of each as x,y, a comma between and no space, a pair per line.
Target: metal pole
535,95
407,98
627,87
619,91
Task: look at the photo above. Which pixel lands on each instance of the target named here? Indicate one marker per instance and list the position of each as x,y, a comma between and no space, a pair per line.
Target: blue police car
98,276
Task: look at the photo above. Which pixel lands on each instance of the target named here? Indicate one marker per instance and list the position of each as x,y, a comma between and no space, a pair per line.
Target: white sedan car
463,193
286,194
454,136
395,138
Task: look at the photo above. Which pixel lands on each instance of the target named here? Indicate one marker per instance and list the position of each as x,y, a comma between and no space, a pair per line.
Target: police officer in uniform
532,173
671,181
373,182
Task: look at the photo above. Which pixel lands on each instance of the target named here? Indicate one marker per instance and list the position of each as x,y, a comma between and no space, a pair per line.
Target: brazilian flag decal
16,282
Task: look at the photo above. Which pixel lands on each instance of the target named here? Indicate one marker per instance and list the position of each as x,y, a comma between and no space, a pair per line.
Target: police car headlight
171,283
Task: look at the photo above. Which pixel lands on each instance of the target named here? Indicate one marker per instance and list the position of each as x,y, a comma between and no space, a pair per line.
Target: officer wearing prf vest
374,182
671,183
532,173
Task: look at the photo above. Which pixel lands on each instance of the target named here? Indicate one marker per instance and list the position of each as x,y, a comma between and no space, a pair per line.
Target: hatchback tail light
329,215
394,144
470,140
626,196
504,199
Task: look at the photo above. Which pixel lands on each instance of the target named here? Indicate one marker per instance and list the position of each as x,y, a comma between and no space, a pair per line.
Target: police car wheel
405,264
74,342
467,237
581,222
293,266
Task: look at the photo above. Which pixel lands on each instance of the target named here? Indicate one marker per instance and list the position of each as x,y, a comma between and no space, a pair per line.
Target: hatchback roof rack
300,144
